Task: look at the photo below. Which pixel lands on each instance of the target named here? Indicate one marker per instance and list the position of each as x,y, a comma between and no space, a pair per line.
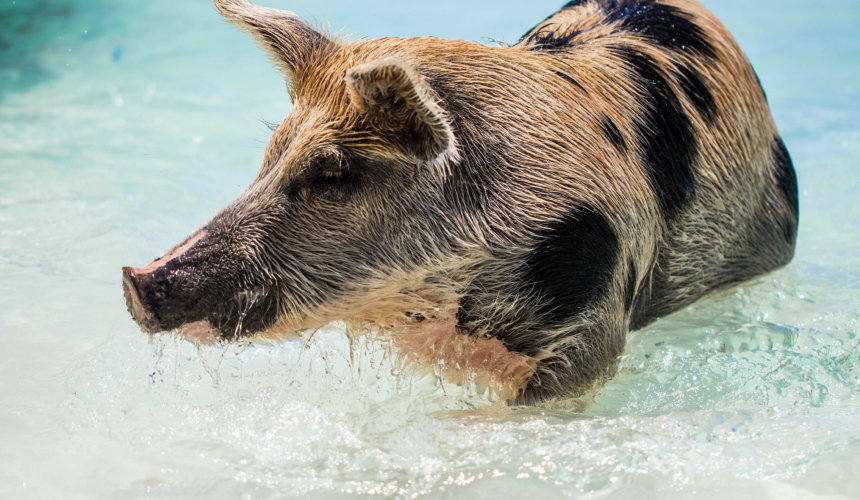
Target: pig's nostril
131,284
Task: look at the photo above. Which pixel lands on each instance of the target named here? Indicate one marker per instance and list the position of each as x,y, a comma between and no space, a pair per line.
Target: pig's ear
399,101
293,43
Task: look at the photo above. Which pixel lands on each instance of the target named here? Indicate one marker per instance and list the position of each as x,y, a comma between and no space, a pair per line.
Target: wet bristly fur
510,210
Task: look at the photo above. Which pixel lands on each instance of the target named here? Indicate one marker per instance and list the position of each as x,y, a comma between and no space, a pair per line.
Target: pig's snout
203,290
136,286
146,290
146,297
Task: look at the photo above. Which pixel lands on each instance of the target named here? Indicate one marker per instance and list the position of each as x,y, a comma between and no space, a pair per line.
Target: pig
505,212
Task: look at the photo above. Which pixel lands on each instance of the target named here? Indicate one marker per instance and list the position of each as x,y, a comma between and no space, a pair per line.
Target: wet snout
146,289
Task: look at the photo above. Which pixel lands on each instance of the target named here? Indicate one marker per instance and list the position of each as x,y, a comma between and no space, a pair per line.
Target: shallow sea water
124,125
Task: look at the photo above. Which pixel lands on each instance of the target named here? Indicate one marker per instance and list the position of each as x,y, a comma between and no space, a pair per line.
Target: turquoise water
124,125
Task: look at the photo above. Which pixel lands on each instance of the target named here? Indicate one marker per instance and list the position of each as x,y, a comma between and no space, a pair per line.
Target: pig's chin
204,332
199,332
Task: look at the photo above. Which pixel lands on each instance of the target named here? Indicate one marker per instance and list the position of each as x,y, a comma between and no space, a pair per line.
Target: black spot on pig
785,173
614,135
571,264
666,134
663,25
787,181
696,90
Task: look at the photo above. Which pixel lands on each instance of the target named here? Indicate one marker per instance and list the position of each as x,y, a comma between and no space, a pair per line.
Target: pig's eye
329,179
334,179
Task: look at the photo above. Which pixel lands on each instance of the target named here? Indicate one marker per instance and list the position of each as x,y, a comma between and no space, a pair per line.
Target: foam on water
125,125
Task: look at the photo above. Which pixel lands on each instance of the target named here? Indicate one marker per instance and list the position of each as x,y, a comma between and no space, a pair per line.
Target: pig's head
347,215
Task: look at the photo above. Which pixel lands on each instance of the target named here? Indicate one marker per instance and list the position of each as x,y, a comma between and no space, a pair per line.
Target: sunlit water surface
126,124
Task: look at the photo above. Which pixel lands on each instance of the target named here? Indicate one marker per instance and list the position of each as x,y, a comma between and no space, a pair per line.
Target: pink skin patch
176,252
199,332
422,326
436,342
